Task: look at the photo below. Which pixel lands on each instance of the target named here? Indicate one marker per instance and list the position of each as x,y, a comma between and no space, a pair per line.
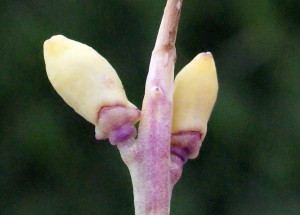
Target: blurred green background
50,162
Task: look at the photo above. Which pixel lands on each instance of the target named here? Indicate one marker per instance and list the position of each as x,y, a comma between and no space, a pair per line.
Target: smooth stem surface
150,161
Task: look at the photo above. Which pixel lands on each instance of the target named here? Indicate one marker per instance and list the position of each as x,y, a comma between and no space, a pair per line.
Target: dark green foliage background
50,162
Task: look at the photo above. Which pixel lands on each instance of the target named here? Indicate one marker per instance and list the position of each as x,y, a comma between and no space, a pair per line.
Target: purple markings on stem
112,119
179,155
122,133
189,142
184,145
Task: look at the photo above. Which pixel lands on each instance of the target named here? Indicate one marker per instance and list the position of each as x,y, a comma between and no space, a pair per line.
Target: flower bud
195,93
84,79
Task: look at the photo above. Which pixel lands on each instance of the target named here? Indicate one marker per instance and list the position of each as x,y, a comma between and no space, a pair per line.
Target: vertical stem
150,172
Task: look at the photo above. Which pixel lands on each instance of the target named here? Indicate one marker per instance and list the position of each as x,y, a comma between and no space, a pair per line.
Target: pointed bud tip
55,45
204,56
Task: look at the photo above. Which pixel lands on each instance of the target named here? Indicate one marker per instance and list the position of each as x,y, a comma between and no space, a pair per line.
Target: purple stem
149,161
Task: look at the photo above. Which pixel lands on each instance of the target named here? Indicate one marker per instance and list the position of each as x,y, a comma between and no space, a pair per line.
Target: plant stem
149,161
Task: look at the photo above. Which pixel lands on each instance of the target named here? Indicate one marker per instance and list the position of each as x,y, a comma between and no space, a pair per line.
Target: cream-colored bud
195,93
82,77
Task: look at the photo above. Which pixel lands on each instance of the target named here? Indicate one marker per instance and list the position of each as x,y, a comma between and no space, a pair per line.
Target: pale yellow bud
83,78
195,94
